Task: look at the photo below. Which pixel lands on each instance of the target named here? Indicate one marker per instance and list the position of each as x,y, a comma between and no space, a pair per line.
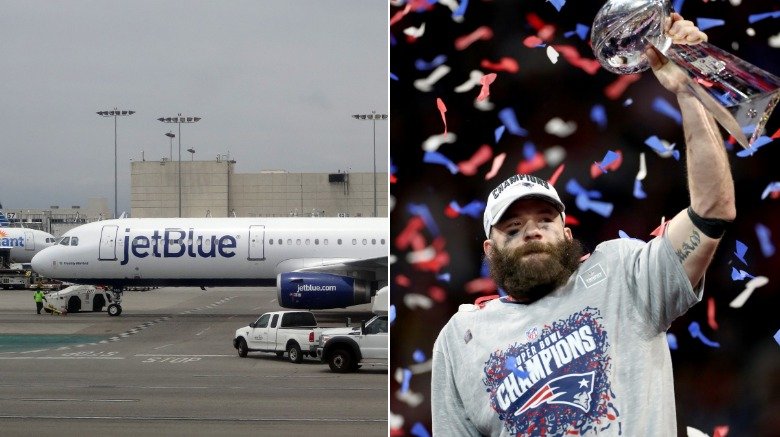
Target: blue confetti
392,313
529,151
765,239
438,158
777,336
446,277
585,203
662,106
558,4
474,209
695,331
458,14
758,17
708,23
677,5
773,187
421,210
760,141
421,65
508,117
655,143
740,252
499,132
739,275
582,31
418,356
609,158
419,430
639,193
623,234
407,379
671,339
393,76
598,115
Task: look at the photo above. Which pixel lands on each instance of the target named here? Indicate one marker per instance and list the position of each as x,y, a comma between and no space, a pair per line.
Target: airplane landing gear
115,308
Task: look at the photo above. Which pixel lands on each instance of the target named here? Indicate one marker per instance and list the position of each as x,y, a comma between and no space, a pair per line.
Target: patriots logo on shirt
574,390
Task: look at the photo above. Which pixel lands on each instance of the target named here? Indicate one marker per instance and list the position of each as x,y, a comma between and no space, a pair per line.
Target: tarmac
167,366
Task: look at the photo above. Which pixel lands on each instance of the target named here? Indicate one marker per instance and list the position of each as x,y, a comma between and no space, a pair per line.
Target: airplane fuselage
208,251
24,243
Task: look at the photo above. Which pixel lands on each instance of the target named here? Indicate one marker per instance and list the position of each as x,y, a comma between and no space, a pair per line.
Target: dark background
737,384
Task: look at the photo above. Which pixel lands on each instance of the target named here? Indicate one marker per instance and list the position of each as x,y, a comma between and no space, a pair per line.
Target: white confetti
642,168
416,300
396,421
484,105
560,128
415,32
426,84
474,80
433,142
774,41
554,155
693,432
750,287
750,31
497,162
552,54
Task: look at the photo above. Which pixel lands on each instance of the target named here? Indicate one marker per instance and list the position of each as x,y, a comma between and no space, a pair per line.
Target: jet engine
318,291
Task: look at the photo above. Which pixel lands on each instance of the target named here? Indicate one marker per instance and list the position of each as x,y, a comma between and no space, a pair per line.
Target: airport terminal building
212,188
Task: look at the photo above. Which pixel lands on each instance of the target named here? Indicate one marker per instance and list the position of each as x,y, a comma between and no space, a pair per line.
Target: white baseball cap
519,186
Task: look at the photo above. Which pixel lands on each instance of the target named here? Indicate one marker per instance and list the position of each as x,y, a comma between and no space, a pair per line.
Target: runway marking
212,306
62,358
198,419
72,400
181,355
203,331
163,346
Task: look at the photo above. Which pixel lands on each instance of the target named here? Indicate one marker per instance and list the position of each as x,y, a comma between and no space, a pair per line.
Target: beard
529,279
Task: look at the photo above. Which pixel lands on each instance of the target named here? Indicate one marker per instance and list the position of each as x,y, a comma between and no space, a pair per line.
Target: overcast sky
274,82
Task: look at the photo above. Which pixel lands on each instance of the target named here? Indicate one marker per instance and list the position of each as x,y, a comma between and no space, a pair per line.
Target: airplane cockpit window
262,322
74,241
65,241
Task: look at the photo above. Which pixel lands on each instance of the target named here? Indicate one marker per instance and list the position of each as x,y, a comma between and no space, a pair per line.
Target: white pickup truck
294,332
346,349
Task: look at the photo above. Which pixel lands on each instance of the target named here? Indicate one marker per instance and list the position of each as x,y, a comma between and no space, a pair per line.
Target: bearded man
578,346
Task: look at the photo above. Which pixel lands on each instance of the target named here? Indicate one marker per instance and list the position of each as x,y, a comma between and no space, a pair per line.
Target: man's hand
672,77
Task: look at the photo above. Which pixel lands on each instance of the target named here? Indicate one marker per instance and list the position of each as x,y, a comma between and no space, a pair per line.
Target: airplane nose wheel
115,308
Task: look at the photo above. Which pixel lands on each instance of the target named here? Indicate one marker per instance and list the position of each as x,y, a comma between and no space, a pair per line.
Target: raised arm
695,232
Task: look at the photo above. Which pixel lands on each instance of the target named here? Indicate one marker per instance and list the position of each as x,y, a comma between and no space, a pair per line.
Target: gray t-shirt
590,358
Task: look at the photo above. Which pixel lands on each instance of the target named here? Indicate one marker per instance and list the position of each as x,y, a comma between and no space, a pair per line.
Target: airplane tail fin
4,223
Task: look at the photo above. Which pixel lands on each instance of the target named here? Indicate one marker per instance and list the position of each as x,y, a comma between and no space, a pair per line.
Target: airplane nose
40,263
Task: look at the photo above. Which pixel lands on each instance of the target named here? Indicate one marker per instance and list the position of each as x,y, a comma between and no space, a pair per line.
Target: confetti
616,89
612,161
740,252
711,314
460,11
415,32
765,240
418,356
508,117
554,155
558,4
438,158
772,189
407,377
504,64
498,161
426,66
481,156
739,275
486,80
639,193
480,33
419,430
533,41
695,331
426,84
758,17
721,431
671,340
442,110
572,56
662,148
598,115
433,142
415,300
777,336
475,79
661,106
421,210
708,23
552,54
753,148
693,432
560,128
474,209
392,313
750,287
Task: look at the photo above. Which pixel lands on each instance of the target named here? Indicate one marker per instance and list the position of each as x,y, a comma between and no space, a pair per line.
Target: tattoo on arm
689,246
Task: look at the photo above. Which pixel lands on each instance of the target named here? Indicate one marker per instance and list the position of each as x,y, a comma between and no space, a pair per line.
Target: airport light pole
179,120
171,135
192,154
115,113
373,116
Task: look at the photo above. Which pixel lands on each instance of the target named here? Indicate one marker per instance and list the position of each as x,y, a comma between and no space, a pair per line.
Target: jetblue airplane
22,243
315,263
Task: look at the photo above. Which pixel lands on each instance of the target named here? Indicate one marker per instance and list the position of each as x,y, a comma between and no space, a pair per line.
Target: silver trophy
739,95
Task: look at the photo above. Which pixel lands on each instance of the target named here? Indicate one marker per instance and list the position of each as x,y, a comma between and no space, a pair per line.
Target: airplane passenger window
74,241
298,241
382,241
354,241
373,241
316,241
365,242
271,241
339,241
307,241
280,242
65,241
289,241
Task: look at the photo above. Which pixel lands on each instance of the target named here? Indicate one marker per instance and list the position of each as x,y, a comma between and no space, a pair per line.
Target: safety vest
38,296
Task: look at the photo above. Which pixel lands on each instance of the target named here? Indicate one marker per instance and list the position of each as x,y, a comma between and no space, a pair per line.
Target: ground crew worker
39,298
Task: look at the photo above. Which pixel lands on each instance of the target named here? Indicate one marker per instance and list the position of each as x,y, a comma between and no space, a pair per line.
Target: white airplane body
315,262
24,243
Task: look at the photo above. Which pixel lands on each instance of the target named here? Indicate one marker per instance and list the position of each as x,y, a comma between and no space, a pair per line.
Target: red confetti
535,21
398,16
590,66
571,220
480,285
437,294
403,280
547,32
556,174
485,80
481,33
505,64
413,227
776,135
532,41
442,110
657,232
711,313
482,300
393,179
481,156
596,169
614,90
721,431
529,166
